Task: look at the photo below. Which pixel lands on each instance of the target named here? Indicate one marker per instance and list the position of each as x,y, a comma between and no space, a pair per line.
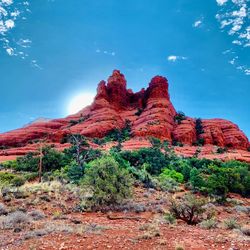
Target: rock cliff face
150,112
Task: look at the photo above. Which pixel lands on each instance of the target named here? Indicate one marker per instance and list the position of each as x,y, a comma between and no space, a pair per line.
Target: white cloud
174,58
10,13
9,24
7,2
237,42
221,2
197,23
247,72
10,51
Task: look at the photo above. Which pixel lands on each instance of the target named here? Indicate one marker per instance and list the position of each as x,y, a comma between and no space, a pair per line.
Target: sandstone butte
150,113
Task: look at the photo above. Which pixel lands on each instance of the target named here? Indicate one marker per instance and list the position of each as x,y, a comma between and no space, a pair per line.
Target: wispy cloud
221,2
234,21
174,58
233,17
110,53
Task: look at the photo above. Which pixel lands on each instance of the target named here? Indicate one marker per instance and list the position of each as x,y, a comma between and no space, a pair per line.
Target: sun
79,102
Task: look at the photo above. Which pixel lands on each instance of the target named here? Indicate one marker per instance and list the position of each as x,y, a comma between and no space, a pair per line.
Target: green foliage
199,142
199,126
28,163
99,141
196,180
170,218
52,159
71,173
188,208
179,117
9,164
109,184
139,111
199,130
155,142
155,159
75,172
221,150
120,135
167,173
176,143
11,179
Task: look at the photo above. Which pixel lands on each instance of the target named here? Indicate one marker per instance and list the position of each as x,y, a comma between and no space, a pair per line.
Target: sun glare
79,102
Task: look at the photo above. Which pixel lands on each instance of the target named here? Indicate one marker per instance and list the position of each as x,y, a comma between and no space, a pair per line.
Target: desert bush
170,218
36,215
36,233
167,184
231,223
108,183
143,176
208,224
151,230
245,231
188,208
3,210
16,219
242,209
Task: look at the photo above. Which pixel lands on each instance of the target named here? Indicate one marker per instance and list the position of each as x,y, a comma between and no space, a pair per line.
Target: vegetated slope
150,113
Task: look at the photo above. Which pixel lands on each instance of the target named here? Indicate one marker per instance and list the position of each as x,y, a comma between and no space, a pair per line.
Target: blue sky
51,50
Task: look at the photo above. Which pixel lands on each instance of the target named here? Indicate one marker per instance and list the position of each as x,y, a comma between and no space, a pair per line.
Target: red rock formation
150,111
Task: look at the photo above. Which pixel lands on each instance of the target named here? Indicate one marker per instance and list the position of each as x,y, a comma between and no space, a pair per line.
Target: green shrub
167,173
18,181
199,126
10,164
179,117
155,142
221,150
176,143
108,183
170,218
196,180
12,179
28,163
120,135
208,224
156,160
231,223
